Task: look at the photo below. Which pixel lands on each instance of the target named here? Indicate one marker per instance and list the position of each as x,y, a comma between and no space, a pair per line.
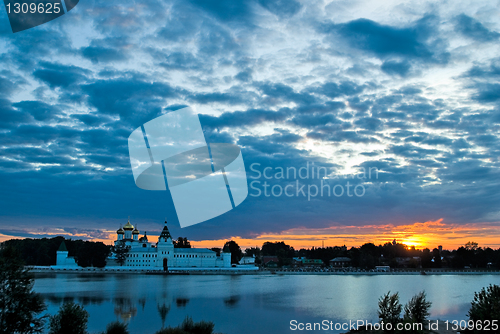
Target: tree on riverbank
389,309
42,252
120,249
235,251
20,306
71,318
417,310
188,326
485,307
116,328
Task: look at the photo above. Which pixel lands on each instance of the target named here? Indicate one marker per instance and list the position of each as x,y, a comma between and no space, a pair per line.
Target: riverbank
251,270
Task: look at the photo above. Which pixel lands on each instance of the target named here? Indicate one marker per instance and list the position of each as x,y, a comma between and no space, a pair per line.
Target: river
250,304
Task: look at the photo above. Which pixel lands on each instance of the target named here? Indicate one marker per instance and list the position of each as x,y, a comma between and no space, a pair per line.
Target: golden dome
136,231
120,231
128,226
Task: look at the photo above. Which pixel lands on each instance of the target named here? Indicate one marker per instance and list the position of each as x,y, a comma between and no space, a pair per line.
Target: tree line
369,255
42,252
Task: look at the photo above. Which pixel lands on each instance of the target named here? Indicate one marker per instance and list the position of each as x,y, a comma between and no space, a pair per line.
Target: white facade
145,254
62,258
248,260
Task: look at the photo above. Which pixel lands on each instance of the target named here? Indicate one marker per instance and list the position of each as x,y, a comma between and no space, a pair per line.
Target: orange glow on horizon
429,234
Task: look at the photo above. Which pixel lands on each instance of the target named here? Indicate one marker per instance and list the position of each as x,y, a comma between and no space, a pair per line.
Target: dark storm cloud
10,116
311,121
9,83
333,90
92,119
58,75
491,71
484,81
243,118
392,67
487,92
281,92
412,151
226,10
279,143
402,49
231,98
369,123
133,99
472,28
384,40
102,54
245,76
39,110
327,107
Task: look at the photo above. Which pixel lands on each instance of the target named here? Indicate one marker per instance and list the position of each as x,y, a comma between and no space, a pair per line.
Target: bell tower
165,248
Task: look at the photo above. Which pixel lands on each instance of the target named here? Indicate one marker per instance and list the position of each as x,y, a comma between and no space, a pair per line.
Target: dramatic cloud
407,92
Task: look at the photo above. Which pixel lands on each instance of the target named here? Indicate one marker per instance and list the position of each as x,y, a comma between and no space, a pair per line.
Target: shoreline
247,271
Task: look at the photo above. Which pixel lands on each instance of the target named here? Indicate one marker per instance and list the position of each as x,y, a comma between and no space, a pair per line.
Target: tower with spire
165,248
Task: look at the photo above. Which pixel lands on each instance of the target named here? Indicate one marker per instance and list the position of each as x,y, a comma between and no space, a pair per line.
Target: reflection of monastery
162,254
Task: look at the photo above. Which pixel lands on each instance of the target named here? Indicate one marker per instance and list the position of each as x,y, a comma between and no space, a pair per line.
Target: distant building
162,254
298,260
270,261
340,262
62,258
248,260
312,262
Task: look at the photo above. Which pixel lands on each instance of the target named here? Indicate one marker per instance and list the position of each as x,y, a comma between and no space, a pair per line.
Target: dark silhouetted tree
71,318
116,328
182,243
235,250
485,306
389,309
216,250
188,326
120,249
417,309
19,304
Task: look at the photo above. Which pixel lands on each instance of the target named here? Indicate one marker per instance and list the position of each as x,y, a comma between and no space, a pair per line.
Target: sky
409,90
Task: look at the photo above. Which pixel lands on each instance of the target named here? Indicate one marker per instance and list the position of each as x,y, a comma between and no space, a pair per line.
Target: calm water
250,304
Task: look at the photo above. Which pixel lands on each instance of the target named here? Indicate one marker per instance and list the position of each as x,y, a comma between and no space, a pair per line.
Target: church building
162,254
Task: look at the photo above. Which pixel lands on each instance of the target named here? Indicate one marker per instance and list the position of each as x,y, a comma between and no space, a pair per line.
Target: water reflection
163,311
148,303
125,309
181,302
231,301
